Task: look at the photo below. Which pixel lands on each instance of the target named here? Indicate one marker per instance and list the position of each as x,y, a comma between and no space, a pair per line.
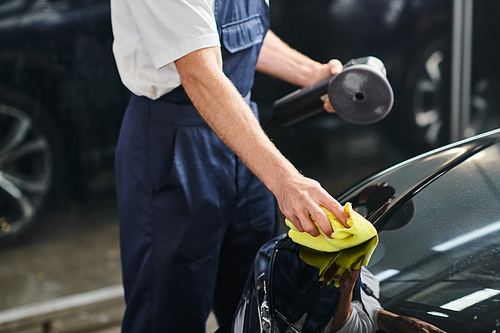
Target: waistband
182,114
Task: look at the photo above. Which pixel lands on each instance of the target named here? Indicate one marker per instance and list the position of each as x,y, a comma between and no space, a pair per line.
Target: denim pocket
242,34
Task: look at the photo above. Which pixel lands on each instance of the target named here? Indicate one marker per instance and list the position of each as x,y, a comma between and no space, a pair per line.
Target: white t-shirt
359,321
149,35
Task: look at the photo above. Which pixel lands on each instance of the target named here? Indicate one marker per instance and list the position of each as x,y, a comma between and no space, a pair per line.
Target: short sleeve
359,322
170,29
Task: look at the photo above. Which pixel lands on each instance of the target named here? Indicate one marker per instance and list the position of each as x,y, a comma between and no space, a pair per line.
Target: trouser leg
183,198
252,225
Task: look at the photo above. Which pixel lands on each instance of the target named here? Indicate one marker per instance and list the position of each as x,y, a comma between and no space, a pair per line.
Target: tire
484,102
430,99
423,115
29,172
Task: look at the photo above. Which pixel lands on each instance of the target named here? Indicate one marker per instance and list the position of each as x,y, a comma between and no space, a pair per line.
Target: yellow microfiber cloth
359,255
354,245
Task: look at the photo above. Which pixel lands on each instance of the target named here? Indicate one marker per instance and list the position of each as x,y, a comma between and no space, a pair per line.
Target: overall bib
192,216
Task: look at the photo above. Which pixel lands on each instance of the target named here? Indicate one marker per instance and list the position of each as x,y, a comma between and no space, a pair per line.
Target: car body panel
438,253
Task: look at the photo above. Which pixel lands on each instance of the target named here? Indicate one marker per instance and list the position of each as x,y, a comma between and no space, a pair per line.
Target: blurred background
61,103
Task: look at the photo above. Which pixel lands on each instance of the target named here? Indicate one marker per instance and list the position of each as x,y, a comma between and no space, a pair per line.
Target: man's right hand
301,198
225,111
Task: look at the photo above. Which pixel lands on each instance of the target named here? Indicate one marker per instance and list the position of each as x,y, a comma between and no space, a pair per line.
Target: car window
445,263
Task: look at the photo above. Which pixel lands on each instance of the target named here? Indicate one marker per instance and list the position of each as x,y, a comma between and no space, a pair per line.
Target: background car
438,220
61,103
439,55
61,100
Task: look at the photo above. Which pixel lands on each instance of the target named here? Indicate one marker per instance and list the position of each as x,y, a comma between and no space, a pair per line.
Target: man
192,216
366,315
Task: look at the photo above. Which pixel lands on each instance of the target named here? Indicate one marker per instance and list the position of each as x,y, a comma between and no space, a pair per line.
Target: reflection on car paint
438,259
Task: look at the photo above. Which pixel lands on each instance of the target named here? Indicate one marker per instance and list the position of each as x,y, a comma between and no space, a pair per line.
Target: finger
335,66
338,211
322,220
355,273
296,223
327,106
329,274
308,225
347,281
310,228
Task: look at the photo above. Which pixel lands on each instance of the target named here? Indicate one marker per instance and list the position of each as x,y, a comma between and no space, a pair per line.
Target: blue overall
192,216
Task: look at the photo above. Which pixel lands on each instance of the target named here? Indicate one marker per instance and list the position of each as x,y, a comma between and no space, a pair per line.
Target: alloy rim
427,109
25,169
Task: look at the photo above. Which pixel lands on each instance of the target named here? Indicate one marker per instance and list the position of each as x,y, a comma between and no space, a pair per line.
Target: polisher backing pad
361,94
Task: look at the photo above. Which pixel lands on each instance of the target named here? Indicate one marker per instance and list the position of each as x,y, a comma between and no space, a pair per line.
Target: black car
61,99
61,104
438,257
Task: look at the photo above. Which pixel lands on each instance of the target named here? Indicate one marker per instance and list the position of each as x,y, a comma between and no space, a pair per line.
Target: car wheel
483,104
430,98
27,163
422,106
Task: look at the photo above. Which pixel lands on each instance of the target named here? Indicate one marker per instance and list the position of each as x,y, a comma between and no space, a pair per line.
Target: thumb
335,66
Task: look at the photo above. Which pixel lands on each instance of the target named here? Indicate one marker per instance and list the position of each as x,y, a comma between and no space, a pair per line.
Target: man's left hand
333,67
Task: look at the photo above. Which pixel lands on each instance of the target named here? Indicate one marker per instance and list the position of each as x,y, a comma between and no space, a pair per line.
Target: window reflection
468,237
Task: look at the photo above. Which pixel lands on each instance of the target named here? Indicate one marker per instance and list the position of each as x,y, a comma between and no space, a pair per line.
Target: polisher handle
302,103
360,94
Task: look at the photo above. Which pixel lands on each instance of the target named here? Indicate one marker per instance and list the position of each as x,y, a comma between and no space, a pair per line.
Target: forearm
384,320
343,311
393,323
281,61
225,111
